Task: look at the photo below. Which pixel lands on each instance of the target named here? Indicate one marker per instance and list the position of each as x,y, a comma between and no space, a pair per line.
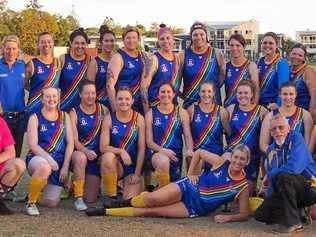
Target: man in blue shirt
291,174
12,77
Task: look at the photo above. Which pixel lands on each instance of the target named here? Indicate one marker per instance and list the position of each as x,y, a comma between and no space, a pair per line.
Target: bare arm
222,65
114,68
265,138
74,121
312,141
254,77
310,80
146,80
92,70
29,71
225,121
7,153
308,126
141,144
185,119
70,143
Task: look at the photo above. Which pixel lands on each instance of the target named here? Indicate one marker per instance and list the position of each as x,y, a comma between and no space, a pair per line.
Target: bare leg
12,172
131,190
176,210
167,195
91,188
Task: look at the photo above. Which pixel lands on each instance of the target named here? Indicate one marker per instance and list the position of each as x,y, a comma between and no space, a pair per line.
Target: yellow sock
138,201
162,178
125,211
109,184
78,188
35,187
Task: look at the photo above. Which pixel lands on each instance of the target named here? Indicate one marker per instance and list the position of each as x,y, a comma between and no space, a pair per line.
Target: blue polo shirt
12,86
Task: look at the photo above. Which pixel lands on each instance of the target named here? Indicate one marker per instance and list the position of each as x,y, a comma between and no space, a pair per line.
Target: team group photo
163,127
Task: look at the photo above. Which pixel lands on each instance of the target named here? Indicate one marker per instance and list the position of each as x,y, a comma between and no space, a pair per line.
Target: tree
287,45
31,22
3,5
115,27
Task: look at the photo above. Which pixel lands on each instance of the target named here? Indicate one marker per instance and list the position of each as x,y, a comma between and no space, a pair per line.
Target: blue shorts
54,176
191,198
93,167
129,169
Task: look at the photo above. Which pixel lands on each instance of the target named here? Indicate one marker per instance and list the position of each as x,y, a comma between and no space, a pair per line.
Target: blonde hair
11,38
243,148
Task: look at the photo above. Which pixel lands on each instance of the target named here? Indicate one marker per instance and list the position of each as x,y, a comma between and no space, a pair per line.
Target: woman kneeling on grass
195,195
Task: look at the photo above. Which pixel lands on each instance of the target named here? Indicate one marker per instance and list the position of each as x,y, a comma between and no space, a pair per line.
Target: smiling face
10,51
131,40
78,46
268,45
297,57
166,94
239,160
279,129
124,100
46,44
236,48
288,96
207,93
199,38
50,98
244,95
88,95
166,41
108,42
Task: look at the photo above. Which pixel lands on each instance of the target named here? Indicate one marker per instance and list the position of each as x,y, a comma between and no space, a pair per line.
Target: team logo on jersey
4,75
130,65
190,62
69,66
102,69
83,122
40,70
115,130
229,73
157,122
235,117
43,128
198,118
164,68
218,174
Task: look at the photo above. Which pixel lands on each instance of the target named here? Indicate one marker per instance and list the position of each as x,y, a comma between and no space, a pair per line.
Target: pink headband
164,30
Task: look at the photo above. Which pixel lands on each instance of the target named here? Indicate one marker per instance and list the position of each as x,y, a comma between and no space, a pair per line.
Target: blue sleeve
298,158
283,75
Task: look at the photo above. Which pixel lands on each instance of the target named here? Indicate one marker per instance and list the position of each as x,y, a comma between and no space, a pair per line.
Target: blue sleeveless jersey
303,97
198,68
72,73
89,127
245,129
125,135
100,81
166,73
130,76
296,120
167,130
271,77
233,76
52,138
43,75
213,189
207,130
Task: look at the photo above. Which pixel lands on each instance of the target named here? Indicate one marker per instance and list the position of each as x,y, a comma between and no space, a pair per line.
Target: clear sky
274,15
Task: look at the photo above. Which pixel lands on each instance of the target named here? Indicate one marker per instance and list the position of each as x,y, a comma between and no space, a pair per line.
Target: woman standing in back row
98,66
273,71
74,70
200,62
